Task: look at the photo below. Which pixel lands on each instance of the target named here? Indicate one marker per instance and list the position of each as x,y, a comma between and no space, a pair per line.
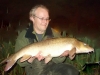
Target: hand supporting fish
48,49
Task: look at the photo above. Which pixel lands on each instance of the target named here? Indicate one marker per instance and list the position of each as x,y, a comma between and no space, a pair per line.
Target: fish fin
5,60
48,58
25,57
30,60
72,57
65,53
72,53
9,65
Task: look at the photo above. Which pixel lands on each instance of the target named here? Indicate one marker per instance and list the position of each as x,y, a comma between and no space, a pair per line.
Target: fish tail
3,61
10,62
9,65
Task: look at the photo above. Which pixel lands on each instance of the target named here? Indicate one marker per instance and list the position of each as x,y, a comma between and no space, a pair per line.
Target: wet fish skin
48,49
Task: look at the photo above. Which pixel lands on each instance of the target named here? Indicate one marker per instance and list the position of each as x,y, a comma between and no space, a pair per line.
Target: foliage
6,49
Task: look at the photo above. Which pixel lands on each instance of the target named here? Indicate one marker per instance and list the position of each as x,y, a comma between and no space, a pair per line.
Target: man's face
41,19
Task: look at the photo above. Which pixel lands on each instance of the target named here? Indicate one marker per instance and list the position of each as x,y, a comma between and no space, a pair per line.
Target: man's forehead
40,9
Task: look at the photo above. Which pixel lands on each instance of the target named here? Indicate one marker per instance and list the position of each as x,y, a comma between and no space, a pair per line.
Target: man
38,31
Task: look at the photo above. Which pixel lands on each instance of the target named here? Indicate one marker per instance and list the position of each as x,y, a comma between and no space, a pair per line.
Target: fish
48,49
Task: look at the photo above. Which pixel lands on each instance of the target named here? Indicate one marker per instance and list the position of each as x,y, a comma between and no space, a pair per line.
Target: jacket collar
29,33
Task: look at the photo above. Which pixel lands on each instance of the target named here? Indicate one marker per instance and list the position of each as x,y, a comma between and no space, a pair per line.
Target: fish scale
48,49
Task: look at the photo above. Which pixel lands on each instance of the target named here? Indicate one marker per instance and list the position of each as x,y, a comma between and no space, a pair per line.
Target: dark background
71,15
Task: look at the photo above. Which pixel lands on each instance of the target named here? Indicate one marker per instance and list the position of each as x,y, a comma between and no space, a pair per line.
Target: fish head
82,47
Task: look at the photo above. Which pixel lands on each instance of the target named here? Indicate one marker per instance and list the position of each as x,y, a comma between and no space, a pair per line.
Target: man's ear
31,18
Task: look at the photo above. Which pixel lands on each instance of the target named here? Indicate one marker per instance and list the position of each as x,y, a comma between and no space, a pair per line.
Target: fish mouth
90,52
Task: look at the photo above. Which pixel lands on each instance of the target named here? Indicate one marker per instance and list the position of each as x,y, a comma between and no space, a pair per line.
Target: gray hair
32,11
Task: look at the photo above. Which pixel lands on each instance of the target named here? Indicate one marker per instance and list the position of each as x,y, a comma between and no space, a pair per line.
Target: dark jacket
29,36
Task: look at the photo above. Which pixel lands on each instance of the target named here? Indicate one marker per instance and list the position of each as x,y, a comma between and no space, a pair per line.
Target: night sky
81,15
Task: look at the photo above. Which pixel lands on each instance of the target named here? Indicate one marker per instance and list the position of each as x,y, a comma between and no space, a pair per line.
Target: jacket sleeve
57,59
21,41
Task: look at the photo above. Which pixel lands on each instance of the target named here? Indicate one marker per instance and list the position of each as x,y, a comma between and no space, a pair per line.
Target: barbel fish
47,49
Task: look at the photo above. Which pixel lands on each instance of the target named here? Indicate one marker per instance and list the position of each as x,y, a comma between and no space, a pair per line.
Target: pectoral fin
25,57
48,58
72,57
72,53
65,53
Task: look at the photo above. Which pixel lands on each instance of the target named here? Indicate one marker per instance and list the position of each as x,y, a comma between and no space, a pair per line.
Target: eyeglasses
42,18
